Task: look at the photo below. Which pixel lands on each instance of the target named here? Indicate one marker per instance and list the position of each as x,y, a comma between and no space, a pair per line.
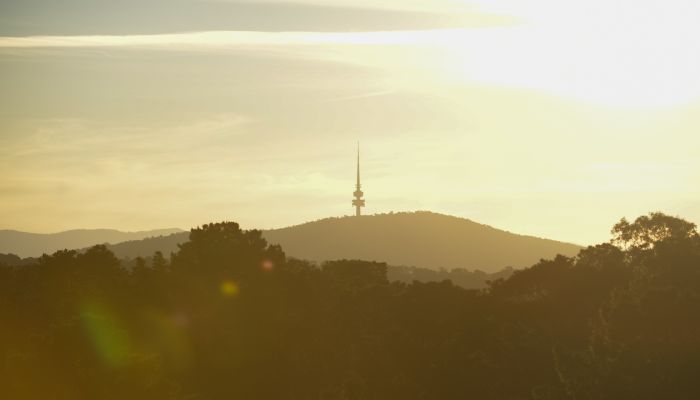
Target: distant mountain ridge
26,244
419,239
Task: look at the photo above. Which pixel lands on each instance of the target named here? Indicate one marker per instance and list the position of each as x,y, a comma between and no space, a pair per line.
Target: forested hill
421,239
26,244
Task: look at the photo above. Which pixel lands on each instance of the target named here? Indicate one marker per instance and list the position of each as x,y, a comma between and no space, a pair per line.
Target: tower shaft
358,202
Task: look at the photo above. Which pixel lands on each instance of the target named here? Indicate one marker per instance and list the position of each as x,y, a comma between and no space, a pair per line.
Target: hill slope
421,239
146,247
35,244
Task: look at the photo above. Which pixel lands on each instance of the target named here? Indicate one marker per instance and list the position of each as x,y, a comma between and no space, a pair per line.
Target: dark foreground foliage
227,317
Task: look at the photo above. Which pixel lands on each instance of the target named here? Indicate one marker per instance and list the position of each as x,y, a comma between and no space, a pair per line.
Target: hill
420,239
26,244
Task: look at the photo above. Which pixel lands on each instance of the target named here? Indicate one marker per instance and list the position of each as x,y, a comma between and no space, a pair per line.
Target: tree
158,262
140,262
224,250
648,230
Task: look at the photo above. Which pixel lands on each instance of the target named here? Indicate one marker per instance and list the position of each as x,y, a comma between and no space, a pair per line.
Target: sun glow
619,53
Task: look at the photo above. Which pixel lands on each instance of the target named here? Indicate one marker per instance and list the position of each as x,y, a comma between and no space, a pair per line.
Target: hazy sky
540,117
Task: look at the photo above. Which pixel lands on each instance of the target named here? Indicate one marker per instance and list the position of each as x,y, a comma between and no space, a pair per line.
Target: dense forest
230,316
465,278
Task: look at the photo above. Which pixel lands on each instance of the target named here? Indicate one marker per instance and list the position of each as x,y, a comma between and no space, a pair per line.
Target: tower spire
358,165
358,202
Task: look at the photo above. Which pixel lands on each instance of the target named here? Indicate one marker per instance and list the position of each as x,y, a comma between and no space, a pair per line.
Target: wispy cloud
90,17
67,139
234,38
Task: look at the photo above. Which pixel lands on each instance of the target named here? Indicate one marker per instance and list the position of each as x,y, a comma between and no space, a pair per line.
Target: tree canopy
229,316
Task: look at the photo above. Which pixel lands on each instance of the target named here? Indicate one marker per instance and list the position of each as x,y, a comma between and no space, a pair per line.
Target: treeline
229,316
13,260
459,276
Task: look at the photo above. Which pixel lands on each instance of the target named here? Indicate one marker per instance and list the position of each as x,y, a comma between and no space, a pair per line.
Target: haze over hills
420,239
26,244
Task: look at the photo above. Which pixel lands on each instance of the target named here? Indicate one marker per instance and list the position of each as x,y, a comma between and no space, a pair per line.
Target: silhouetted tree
647,230
158,262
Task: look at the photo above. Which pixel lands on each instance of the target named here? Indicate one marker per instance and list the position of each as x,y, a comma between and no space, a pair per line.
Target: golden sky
540,117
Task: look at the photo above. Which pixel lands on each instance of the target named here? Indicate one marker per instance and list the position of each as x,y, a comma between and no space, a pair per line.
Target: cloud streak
235,39
90,17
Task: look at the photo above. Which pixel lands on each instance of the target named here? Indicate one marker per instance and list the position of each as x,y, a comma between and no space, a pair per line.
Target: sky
541,117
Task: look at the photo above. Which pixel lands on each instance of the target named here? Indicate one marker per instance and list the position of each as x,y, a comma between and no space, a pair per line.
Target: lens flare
228,288
109,339
267,265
